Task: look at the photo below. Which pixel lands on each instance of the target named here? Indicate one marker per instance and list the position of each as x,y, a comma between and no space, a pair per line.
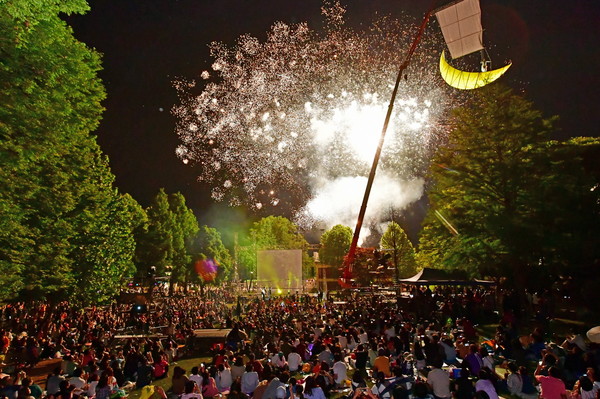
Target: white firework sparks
296,119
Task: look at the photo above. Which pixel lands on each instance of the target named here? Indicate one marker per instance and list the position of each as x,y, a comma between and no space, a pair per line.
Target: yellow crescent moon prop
468,80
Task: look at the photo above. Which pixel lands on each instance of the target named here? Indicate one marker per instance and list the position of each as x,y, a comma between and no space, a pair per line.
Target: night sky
146,44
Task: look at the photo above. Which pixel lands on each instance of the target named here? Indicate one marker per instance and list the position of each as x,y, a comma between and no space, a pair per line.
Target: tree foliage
505,197
335,244
167,242
66,230
402,252
184,226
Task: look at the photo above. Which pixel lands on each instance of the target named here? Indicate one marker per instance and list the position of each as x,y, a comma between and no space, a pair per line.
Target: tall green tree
402,252
103,245
167,242
154,240
184,227
567,214
335,244
57,202
494,204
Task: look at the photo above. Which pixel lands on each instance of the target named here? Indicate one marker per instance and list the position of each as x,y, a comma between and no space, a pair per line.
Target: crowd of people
424,346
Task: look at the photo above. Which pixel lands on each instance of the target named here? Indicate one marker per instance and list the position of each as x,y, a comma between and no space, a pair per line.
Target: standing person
361,357
551,386
439,381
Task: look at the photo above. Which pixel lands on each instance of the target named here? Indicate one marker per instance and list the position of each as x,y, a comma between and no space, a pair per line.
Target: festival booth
429,276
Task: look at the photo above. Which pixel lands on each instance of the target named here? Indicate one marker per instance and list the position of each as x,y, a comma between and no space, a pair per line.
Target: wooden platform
204,339
212,333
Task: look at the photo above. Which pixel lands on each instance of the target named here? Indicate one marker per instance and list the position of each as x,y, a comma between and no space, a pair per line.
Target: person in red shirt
256,365
552,387
5,342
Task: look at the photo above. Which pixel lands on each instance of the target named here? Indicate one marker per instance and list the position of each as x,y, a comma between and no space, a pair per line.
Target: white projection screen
280,269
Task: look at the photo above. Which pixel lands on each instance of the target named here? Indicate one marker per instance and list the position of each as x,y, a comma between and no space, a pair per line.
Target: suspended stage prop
468,80
461,26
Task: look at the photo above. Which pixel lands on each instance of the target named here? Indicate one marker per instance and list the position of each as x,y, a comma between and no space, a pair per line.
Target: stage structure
280,269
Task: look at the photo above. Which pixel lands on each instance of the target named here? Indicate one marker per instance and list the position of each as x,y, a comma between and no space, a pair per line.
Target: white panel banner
280,269
461,27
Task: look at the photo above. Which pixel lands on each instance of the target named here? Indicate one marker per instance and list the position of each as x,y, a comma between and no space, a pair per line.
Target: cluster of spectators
297,346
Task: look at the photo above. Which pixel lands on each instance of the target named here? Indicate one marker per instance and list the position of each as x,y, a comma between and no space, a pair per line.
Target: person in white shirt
514,381
351,343
196,377
278,360
390,331
340,370
363,337
343,341
224,379
294,361
77,380
249,380
439,381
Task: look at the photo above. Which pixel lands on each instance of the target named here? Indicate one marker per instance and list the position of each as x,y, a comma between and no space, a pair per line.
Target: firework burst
298,116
